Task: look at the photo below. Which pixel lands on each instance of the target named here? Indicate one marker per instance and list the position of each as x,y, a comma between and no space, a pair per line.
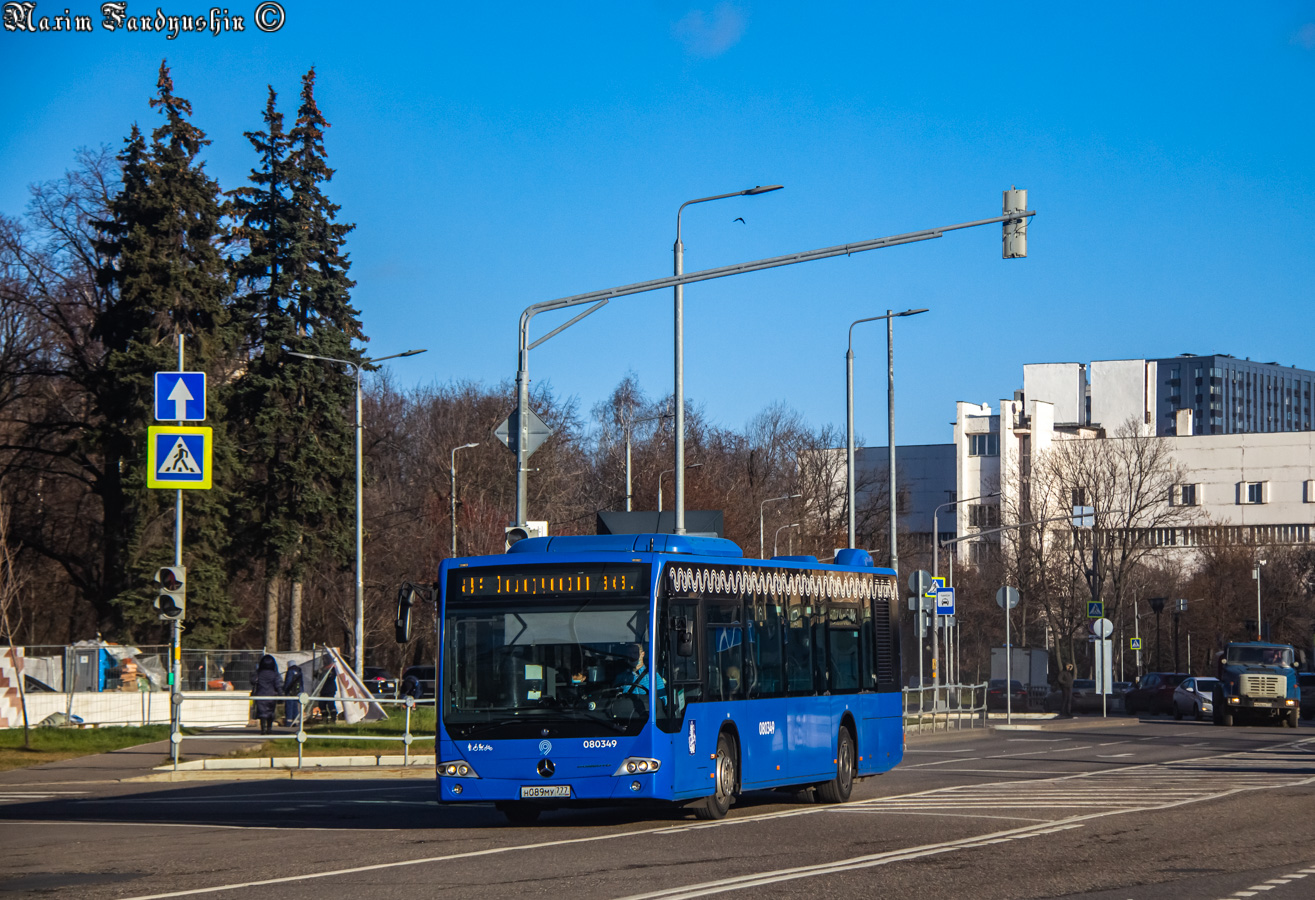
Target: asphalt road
1118,810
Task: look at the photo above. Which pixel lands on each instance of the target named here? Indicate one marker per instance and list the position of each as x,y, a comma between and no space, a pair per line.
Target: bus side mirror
684,637
406,598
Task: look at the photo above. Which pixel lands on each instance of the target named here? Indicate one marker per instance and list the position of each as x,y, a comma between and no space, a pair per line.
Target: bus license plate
534,791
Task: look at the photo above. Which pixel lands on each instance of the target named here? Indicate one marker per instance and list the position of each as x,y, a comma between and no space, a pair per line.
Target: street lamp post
777,537
890,413
679,252
629,424
1157,607
1260,631
935,570
761,554
358,655
669,472
453,470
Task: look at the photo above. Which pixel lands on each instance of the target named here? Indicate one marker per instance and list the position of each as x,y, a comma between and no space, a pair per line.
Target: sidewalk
120,765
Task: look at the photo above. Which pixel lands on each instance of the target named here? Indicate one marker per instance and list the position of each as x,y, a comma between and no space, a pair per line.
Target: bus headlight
637,765
460,769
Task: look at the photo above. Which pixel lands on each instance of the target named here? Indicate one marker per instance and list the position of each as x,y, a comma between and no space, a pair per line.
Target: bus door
682,713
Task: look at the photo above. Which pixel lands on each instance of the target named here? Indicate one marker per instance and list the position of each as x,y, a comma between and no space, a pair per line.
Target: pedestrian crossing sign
178,457
1095,609
1134,643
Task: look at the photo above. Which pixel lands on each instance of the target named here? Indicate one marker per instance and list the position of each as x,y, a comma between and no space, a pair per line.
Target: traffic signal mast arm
1014,225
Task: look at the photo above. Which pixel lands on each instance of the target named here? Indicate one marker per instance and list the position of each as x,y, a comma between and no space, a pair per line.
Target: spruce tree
166,276
297,413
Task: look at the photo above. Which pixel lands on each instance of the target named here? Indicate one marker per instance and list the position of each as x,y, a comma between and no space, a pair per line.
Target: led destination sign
610,581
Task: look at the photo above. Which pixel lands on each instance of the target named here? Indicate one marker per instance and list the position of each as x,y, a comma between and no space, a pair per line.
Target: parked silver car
1194,697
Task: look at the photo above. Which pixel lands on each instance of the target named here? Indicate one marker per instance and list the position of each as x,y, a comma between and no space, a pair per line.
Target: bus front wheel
838,789
725,778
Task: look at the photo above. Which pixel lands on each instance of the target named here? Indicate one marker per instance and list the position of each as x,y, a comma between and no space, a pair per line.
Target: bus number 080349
599,745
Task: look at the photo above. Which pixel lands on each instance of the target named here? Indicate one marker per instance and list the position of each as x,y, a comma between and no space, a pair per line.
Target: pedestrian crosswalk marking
1129,789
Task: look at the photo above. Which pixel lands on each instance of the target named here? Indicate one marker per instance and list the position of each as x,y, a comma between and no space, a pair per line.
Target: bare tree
10,586
1128,479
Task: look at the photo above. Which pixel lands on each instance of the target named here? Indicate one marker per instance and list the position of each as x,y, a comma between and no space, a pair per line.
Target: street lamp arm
907,312
760,189
936,511
977,534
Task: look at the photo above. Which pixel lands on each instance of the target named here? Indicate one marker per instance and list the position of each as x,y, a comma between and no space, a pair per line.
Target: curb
215,764
1038,724
271,774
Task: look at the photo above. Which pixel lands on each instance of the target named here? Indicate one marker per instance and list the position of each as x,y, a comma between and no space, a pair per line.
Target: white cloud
710,34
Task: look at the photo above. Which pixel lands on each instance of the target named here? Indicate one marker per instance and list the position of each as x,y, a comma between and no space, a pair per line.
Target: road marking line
1038,740
122,824
939,762
861,862
952,815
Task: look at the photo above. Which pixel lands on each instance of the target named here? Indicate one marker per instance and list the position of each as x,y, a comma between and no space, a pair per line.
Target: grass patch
358,744
54,744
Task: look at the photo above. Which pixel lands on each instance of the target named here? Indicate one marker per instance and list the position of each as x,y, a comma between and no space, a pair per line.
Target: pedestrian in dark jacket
292,687
1066,688
328,708
266,683
411,686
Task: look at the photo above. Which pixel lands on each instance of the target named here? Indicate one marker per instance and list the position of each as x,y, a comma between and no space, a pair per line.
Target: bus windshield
529,652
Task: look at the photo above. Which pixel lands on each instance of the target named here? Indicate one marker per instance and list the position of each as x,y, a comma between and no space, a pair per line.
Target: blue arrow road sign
1095,609
178,456
945,601
180,396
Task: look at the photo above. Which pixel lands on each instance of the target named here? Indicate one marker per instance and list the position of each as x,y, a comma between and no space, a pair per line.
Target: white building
1245,488
1253,485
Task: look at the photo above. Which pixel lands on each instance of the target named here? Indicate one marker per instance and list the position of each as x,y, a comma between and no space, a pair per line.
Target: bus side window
821,677
868,658
764,651
799,651
725,641
843,649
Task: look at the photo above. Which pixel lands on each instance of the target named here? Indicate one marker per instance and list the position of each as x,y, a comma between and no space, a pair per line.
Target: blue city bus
657,668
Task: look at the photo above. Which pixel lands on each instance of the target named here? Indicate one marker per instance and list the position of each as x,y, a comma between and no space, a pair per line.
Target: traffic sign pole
1007,598
176,626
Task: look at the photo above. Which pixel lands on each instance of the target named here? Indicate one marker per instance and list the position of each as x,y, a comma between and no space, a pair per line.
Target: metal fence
96,667
306,705
943,707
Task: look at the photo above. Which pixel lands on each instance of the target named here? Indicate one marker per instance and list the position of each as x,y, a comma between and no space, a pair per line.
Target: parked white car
1194,697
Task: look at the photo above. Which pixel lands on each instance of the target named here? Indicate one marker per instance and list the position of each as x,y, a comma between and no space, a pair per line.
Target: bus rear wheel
725,780
838,789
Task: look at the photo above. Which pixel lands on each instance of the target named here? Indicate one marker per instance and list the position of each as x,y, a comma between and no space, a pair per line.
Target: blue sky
494,156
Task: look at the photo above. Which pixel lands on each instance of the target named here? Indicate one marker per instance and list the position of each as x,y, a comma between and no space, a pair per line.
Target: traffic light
514,534
1015,230
172,599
